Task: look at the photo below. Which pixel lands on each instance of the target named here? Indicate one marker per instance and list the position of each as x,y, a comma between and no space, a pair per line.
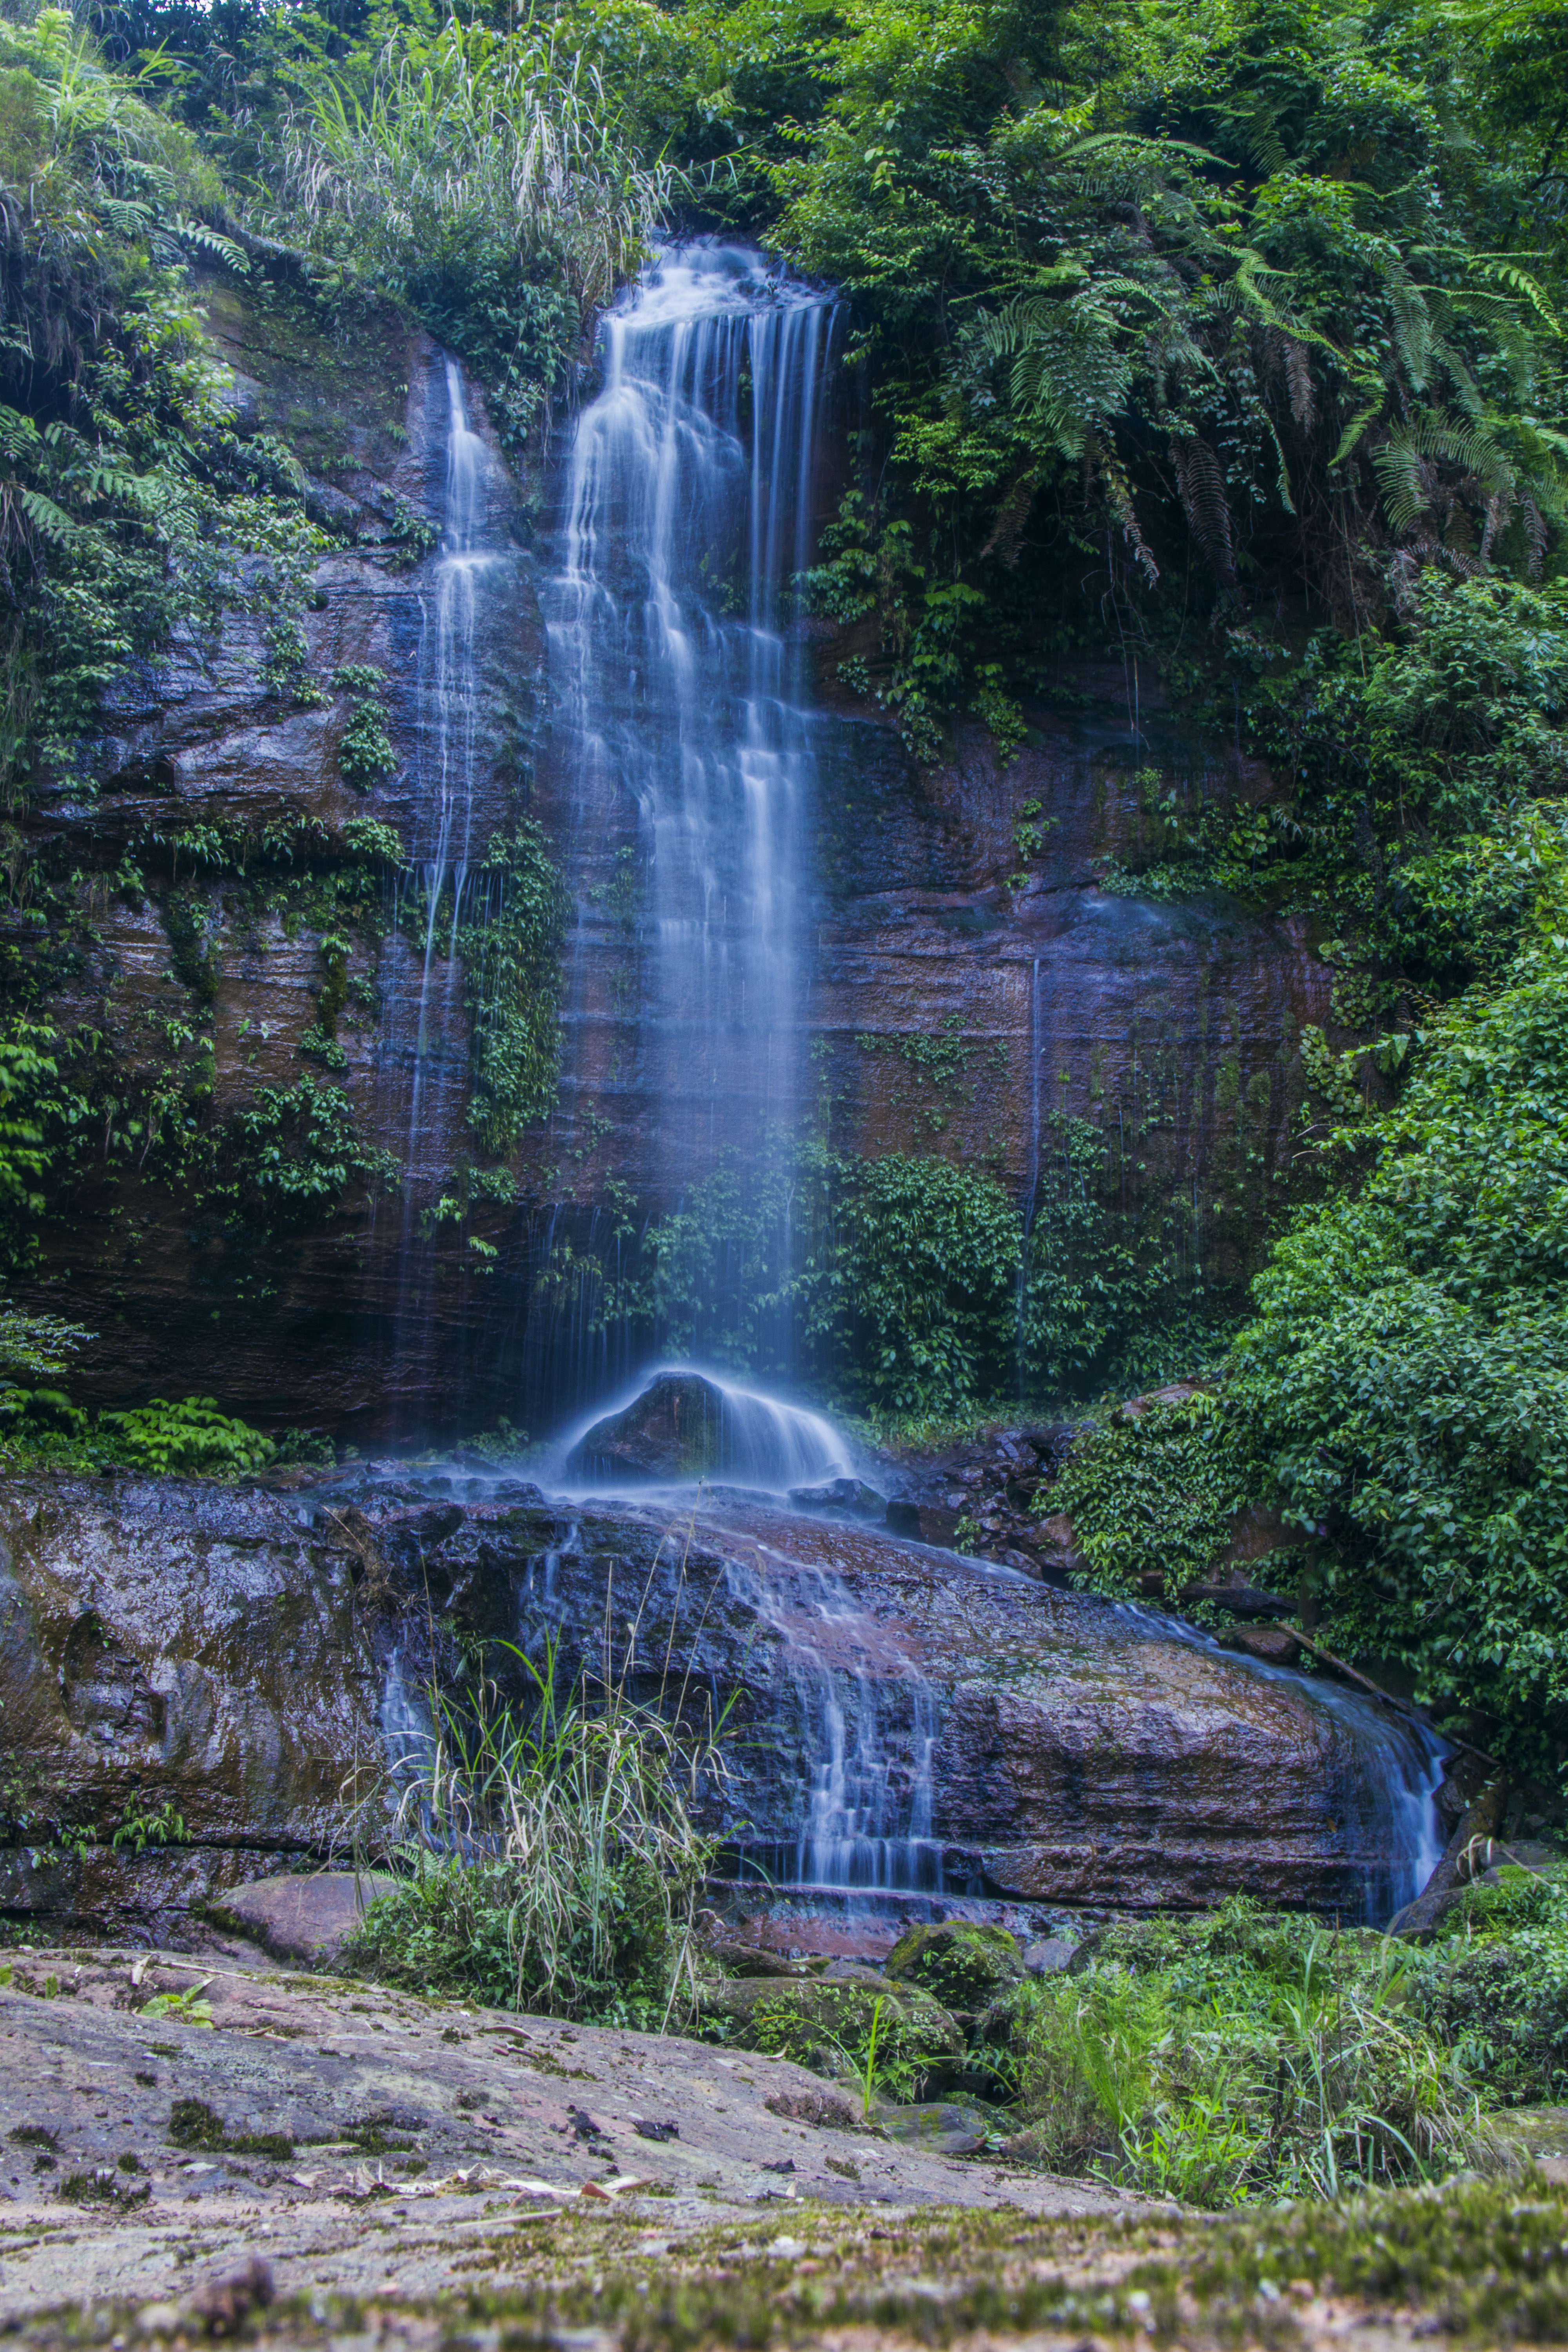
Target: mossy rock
963,1965
827,2023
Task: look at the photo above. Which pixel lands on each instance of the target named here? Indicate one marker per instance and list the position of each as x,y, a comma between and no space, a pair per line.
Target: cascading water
682,1425
684,727
683,748
449,736
868,1825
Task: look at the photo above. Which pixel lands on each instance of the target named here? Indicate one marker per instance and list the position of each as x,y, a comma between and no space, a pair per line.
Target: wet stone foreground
330,2167
368,2141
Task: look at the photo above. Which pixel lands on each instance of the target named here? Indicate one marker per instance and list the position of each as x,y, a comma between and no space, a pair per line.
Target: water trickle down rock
1044,1745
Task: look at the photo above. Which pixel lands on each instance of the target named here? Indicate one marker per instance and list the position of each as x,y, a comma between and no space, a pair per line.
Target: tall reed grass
553,1857
471,139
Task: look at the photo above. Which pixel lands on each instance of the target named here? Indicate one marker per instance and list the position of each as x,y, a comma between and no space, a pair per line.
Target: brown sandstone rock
306,1917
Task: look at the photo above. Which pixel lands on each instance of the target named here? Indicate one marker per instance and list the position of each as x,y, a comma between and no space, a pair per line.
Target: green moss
960,1964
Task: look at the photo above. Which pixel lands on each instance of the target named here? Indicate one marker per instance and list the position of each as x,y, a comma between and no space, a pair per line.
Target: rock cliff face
255,1662
959,907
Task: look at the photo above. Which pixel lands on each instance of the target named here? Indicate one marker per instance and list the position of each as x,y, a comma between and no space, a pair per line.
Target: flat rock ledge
359,2142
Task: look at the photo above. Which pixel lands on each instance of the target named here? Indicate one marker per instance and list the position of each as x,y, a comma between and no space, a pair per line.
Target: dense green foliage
191,1438
908,1281
1151,1497
1405,1378
1244,2054
509,937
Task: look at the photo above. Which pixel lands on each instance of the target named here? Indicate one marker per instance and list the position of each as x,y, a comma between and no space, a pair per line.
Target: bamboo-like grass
475,137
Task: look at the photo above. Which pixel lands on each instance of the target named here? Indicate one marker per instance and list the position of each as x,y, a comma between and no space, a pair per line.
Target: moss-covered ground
1478,2262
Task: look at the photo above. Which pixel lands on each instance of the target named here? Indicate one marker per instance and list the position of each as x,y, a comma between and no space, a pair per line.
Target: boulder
944,2127
673,1432
1049,1956
927,1523
847,1497
959,1962
302,1917
1272,1643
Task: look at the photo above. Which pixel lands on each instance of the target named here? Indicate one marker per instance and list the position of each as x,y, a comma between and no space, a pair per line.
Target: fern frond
1353,431
1508,273
47,519
1398,466
1200,478
208,240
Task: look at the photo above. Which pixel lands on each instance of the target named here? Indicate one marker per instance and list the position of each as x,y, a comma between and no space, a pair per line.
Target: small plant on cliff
365,756
138,1829
556,1865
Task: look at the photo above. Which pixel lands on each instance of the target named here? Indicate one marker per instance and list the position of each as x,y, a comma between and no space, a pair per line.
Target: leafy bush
293,1152
905,1279
888,2041
1157,1491
553,1864
486,180
1495,1985
1405,1381
192,1439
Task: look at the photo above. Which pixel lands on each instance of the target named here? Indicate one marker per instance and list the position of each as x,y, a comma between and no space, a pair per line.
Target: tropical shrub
1406,1380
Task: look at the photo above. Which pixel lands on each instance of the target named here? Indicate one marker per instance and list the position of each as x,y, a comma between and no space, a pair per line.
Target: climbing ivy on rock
509,936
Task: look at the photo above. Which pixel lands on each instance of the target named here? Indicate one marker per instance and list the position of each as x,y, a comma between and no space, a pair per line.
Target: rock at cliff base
300,1917
845,1497
1272,1643
960,1962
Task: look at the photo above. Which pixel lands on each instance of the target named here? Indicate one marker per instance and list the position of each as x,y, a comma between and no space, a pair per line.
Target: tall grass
1243,2086
471,139
553,1857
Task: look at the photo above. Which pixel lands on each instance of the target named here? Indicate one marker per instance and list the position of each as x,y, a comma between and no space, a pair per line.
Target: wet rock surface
676,1430
356,2140
243,1658
307,1917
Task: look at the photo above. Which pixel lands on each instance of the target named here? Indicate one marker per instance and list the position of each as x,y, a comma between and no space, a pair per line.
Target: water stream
684,724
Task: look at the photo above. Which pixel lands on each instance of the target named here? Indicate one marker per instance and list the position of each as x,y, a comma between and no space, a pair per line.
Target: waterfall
870,1803
682,723
448,738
